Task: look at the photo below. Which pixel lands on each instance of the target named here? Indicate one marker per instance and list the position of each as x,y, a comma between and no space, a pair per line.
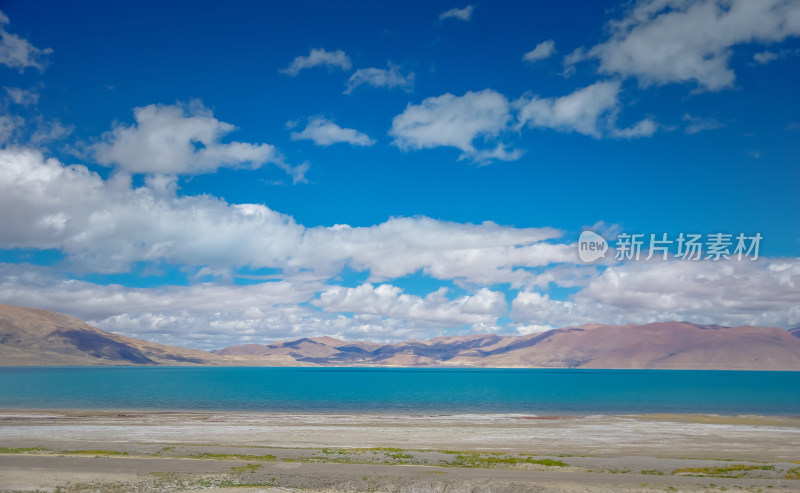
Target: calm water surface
400,390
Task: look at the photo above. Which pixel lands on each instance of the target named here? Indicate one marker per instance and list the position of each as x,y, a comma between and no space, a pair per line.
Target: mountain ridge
658,345
30,336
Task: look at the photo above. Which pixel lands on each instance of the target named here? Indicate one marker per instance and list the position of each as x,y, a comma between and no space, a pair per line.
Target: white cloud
383,78
324,133
591,111
456,121
765,292
104,225
318,57
697,124
463,14
17,52
525,330
203,316
180,139
211,316
765,57
674,41
23,97
460,121
386,300
543,50
642,128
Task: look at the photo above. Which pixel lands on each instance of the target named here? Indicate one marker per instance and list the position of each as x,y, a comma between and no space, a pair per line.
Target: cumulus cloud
19,53
543,50
388,78
456,121
765,292
206,316
675,41
324,132
181,139
104,225
485,117
463,14
386,300
591,111
215,315
316,58
210,316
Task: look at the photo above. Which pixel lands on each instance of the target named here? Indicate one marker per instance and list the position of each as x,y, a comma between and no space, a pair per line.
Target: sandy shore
186,451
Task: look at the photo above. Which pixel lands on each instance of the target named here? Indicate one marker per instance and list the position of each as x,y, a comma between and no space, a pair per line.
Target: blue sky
207,173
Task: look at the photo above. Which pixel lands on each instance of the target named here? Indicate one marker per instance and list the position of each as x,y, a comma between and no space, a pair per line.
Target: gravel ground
107,451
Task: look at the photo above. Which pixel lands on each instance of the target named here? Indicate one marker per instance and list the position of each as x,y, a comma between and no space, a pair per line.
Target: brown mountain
38,337
667,345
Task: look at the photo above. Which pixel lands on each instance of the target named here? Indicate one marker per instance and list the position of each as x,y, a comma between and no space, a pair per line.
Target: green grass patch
793,473
247,468
485,461
732,471
243,457
21,450
382,449
653,472
374,455
165,475
94,452
164,451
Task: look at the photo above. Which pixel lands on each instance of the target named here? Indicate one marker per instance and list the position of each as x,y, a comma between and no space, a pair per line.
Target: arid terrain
156,451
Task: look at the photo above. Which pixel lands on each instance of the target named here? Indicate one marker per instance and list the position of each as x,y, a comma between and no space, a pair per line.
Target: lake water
401,390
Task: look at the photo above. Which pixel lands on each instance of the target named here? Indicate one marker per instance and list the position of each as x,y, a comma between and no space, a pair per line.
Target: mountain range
31,336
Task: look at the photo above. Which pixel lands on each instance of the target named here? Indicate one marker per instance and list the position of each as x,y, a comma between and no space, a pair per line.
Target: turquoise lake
401,390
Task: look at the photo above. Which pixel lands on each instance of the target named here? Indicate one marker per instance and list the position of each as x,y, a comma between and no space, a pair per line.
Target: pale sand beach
194,451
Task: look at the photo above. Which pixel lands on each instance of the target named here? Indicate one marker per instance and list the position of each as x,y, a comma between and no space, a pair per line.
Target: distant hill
666,345
39,337
30,336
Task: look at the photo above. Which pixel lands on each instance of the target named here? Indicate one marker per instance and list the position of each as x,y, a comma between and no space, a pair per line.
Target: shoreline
313,366
740,418
663,435
708,418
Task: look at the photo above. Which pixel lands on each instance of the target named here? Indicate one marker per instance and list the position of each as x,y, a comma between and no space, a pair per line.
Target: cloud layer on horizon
108,225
